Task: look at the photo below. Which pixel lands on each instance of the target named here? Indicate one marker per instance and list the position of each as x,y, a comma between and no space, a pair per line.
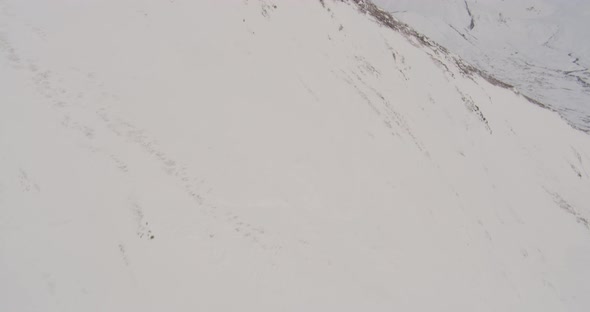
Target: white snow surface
539,46
273,156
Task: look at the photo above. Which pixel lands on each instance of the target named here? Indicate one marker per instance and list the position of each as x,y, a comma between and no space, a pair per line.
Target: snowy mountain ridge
536,45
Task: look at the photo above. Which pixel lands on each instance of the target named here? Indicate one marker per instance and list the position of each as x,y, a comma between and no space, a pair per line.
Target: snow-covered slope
274,156
539,46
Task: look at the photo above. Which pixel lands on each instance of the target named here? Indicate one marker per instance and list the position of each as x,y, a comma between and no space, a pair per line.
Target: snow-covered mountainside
274,156
539,46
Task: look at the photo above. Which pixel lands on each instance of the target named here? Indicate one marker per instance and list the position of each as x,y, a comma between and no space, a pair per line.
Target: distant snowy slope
539,46
274,156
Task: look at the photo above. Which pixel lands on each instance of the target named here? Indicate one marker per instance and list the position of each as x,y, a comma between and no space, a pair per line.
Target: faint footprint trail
137,136
143,229
179,172
70,115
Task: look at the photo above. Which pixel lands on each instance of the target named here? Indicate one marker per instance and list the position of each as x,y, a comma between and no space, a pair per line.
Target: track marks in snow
143,229
248,231
123,252
565,205
392,119
366,67
95,124
474,109
120,164
486,233
578,157
9,52
472,22
400,62
50,283
266,8
138,137
576,170
74,125
309,90
27,184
